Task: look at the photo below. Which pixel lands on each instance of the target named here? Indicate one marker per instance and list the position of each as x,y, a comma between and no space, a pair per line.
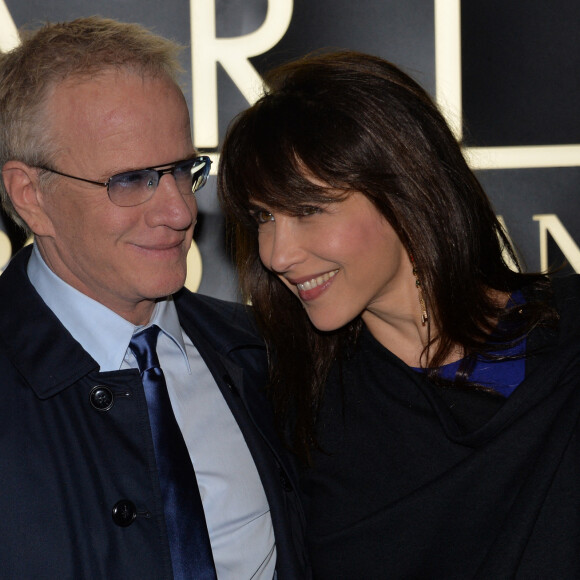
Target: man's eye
131,179
135,180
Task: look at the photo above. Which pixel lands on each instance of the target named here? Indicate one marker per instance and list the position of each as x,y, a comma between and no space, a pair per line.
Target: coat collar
226,326
52,360
61,361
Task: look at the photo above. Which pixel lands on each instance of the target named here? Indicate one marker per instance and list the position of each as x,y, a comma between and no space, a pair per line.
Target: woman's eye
309,210
261,216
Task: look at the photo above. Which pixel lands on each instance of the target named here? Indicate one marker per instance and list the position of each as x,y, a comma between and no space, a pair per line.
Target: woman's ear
21,184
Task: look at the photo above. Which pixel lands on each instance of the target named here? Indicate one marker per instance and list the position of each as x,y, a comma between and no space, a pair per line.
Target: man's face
123,257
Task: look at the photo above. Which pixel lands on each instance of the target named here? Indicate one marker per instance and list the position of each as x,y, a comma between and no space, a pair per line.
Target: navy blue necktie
191,554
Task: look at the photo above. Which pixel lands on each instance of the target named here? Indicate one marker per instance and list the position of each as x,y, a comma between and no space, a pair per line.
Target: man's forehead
111,96
120,112
115,79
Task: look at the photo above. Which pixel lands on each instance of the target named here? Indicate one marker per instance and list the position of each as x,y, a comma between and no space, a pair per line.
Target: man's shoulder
20,304
217,306
231,323
15,271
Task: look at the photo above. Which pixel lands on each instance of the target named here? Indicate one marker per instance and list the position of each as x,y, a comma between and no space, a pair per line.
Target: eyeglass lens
136,187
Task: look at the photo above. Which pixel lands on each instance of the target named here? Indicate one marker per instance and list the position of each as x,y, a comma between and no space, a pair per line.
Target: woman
429,388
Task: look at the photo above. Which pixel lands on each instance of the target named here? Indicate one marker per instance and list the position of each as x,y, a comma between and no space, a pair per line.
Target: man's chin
165,288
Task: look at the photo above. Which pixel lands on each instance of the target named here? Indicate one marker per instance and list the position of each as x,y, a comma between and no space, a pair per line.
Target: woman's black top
417,482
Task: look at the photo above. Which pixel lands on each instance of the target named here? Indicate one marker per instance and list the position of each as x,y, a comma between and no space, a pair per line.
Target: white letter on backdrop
8,32
550,223
232,54
8,40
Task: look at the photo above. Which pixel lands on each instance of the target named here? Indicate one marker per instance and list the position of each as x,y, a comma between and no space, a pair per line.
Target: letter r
233,55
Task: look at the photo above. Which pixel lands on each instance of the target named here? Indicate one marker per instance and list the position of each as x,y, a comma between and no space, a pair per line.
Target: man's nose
170,207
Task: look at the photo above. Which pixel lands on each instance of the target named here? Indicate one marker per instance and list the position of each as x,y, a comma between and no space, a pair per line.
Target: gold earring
424,316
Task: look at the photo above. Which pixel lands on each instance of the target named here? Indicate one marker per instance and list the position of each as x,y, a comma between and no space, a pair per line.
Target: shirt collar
166,318
101,332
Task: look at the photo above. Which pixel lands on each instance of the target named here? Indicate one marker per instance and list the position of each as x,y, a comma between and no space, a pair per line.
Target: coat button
101,398
124,513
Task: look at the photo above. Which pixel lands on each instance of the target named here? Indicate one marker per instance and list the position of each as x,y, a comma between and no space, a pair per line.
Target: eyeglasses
135,187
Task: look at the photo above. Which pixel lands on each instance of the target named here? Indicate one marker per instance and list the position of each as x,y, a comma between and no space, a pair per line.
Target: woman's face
340,259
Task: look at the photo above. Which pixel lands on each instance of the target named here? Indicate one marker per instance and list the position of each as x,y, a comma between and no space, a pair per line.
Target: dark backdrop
509,73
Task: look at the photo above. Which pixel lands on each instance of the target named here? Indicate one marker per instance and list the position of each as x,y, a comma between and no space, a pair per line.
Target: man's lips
160,246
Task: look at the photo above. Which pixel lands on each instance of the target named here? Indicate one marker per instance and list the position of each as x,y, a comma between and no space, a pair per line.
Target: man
98,163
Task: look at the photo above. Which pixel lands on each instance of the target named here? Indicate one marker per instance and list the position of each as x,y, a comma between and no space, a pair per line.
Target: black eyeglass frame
169,169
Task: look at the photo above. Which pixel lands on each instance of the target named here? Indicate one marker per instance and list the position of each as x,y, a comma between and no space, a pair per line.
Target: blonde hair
46,57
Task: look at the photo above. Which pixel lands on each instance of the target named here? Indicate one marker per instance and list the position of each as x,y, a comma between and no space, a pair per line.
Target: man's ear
21,183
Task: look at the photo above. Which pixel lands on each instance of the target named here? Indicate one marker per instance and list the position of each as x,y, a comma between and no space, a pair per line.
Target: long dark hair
358,123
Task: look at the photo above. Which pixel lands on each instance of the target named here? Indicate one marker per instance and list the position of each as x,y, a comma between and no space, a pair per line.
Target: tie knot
144,347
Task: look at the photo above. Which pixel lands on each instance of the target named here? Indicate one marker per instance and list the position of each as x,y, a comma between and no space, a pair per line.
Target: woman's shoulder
566,287
566,299
566,292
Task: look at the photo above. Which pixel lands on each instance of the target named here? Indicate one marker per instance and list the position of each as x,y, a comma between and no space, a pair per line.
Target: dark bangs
276,152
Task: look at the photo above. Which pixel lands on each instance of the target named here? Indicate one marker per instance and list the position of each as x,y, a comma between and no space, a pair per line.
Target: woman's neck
401,330
395,321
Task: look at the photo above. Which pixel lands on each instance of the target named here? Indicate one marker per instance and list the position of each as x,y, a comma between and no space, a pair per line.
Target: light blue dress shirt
235,504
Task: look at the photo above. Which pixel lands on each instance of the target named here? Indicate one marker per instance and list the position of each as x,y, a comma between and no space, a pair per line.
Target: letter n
550,223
